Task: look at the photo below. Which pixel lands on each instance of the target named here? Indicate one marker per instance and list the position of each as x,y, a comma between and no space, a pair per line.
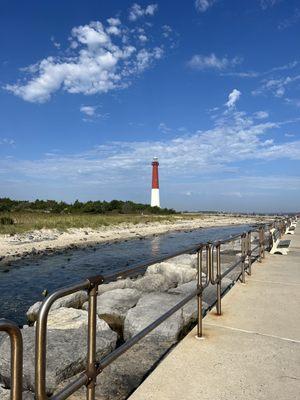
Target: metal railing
16,358
213,275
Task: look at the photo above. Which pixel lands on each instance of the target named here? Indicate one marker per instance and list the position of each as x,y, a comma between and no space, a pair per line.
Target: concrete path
251,352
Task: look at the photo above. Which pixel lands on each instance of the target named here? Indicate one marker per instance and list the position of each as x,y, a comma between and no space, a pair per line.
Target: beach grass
29,221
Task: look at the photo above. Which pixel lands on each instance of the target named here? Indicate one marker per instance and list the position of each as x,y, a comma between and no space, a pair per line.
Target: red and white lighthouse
155,184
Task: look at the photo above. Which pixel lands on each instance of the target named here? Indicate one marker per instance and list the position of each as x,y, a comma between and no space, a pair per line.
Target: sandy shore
43,241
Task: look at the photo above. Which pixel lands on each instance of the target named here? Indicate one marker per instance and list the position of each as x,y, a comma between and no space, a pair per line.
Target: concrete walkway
251,352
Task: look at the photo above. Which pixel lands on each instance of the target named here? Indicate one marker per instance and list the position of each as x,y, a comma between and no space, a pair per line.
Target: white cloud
88,110
233,139
256,74
114,21
276,86
143,38
201,62
233,98
261,114
100,62
136,11
204,5
167,30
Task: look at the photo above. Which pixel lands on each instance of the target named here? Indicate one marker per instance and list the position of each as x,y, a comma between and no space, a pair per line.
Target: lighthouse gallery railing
210,264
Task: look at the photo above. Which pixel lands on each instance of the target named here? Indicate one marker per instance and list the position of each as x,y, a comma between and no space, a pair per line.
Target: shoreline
45,242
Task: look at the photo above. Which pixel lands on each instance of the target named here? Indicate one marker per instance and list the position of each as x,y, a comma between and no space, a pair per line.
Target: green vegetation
27,221
90,207
22,216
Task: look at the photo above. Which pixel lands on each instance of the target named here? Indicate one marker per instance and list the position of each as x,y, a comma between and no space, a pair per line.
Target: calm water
22,283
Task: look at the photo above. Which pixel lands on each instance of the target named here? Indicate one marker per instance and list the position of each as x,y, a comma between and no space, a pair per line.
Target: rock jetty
124,308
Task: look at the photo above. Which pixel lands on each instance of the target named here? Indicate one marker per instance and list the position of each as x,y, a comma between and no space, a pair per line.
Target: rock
152,283
33,311
209,294
174,273
5,394
148,309
185,259
66,348
70,318
73,300
112,306
124,375
118,284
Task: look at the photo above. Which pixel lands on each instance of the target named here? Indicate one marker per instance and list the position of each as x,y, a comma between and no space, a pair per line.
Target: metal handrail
16,370
94,367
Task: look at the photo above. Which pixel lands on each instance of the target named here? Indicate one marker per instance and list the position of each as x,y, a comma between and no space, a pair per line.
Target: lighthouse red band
155,202
155,164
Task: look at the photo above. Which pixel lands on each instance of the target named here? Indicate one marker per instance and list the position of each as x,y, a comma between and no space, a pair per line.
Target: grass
28,221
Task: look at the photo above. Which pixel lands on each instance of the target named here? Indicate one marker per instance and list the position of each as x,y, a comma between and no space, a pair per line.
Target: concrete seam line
253,332
276,283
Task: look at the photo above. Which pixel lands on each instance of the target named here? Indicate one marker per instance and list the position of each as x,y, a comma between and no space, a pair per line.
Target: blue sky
90,92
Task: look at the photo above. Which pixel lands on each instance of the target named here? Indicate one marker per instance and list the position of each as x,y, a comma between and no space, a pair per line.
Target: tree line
89,207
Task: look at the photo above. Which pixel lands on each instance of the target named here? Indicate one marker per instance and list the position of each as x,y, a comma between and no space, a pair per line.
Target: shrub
6,221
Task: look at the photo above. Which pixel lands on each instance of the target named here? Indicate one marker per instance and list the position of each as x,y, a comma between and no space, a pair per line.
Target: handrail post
91,369
261,244
219,280
243,248
249,252
199,294
41,339
263,241
16,343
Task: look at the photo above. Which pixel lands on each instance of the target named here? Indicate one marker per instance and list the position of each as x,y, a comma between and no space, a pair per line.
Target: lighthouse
155,185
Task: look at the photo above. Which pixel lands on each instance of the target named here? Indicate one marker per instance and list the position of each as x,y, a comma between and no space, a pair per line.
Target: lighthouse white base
155,198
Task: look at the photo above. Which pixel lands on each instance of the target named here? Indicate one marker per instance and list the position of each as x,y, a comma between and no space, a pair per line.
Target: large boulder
73,300
149,308
118,284
66,348
152,283
125,374
112,306
185,259
5,394
209,293
69,318
174,273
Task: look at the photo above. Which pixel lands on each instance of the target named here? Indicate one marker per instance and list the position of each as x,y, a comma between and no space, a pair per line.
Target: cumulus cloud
233,98
204,5
136,11
202,62
100,62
